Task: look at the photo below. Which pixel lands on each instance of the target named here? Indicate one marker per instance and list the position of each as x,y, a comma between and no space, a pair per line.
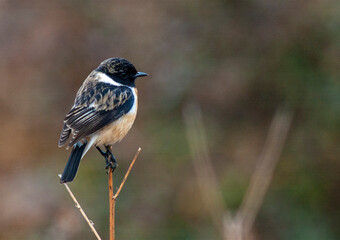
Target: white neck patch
103,78
134,106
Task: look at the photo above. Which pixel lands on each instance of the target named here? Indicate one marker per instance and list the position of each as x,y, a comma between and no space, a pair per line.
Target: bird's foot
111,166
111,162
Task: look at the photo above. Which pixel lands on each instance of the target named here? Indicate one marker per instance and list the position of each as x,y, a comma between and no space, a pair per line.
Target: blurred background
236,61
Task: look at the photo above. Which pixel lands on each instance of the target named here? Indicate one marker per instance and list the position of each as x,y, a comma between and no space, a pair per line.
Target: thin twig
235,228
89,222
264,170
112,206
206,176
113,197
127,174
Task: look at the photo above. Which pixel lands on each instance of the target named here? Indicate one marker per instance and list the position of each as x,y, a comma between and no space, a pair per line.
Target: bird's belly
115,131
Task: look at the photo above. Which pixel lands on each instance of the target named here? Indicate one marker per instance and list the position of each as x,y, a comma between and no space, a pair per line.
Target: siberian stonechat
103,112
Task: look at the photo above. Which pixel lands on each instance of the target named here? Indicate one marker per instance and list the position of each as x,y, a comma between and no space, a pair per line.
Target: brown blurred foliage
238,60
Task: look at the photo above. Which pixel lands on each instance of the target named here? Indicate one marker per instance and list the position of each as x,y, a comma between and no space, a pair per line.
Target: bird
103,112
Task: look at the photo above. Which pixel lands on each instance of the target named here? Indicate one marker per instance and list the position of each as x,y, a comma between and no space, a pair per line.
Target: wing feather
96,105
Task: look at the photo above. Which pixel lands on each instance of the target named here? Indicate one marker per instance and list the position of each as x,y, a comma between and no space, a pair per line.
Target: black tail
72,165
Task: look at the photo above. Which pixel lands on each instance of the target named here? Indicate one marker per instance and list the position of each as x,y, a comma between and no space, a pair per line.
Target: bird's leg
110,159
101,151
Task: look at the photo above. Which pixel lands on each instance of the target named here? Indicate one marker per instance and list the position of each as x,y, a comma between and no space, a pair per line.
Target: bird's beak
141,74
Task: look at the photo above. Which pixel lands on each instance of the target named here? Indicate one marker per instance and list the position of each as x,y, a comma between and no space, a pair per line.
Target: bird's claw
111,165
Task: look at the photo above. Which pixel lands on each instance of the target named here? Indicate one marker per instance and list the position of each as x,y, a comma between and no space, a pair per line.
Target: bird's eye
123,75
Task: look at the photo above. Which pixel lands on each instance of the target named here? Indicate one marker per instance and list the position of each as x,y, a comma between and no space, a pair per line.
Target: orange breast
115,131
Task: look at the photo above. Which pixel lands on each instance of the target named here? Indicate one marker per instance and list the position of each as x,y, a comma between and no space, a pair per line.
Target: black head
120,70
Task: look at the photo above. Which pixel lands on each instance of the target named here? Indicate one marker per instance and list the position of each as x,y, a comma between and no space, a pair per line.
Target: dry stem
127,174
112,206
89,222
264,170
206,176
113,197
235,228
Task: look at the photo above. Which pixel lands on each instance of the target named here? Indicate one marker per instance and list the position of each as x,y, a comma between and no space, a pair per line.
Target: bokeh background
238,60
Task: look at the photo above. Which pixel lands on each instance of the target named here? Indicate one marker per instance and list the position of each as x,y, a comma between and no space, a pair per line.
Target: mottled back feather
96,105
